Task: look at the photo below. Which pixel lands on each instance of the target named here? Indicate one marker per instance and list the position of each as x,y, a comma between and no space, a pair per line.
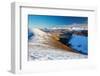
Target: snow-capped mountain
39,36
73,27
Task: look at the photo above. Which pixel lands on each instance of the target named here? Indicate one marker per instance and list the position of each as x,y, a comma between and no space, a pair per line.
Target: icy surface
39,52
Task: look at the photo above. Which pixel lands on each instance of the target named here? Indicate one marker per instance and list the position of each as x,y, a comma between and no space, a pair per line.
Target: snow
39,36
40,48
38,52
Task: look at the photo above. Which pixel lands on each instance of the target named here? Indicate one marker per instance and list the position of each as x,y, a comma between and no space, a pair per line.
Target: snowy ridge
41,47
73,27
39,36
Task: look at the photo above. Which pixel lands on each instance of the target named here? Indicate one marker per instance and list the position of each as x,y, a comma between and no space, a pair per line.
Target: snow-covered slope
39,36
37,52
43,47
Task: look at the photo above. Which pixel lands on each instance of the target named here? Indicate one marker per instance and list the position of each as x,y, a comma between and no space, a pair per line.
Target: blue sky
43,21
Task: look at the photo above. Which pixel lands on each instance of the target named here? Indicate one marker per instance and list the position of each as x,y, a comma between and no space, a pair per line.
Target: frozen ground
38,52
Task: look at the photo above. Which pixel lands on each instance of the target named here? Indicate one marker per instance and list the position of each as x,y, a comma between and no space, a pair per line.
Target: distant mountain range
70,27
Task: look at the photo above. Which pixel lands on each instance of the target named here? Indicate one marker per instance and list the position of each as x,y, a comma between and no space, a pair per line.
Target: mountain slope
44,46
